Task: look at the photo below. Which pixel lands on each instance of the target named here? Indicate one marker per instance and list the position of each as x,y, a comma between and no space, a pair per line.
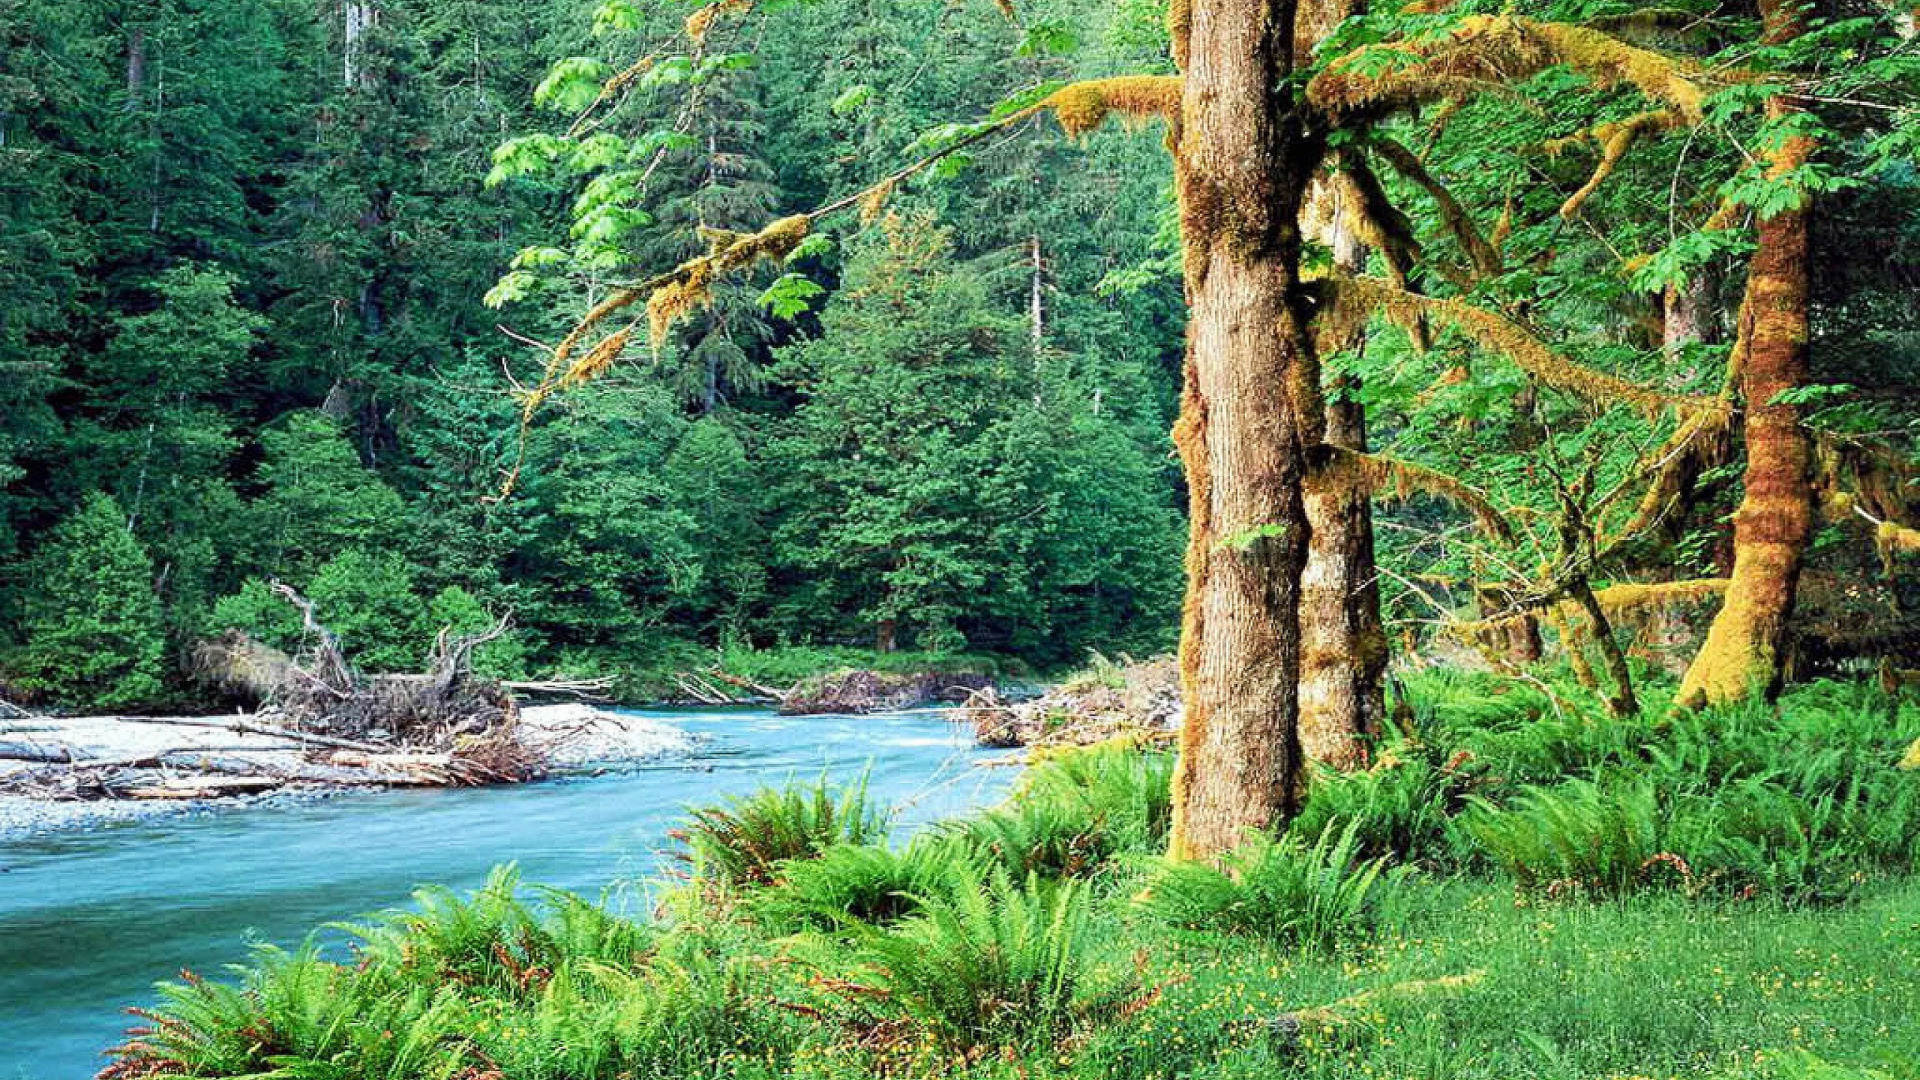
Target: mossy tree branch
1485,50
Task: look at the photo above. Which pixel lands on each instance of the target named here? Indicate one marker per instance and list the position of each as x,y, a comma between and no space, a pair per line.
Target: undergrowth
1522,888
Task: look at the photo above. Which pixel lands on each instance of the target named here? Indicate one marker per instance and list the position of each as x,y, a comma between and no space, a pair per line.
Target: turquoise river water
89,921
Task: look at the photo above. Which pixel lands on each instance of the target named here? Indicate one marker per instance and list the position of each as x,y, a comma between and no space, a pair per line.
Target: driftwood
1136,699
858,692
241,726
441,727
202,787
583,689
320,691
758,691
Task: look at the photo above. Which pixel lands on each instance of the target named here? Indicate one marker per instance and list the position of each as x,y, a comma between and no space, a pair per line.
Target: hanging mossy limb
1703,441
1403,479
1483,50
1744,650
1083,106
1483,256
1501,335
1614,140
1372,216
1617,601
688,287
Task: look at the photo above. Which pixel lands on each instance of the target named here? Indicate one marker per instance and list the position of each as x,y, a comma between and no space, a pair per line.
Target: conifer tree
92,622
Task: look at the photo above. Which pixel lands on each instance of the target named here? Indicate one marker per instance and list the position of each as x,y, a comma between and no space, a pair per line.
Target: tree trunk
136,67
1620,699
1249,408
359,17
1343,645
1689,312
1743,651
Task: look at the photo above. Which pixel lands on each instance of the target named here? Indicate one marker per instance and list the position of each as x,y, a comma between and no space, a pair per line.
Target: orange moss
1615,140
702,20
1083,106
690,287
1483,50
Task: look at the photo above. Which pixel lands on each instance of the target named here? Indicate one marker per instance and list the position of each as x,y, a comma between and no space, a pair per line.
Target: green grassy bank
1527,890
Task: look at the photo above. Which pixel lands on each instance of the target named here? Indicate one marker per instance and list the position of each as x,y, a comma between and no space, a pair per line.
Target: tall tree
1745,646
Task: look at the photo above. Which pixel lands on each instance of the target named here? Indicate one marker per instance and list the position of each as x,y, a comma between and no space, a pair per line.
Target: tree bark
1343,644
1688,312
136,66
1249,408
358,18
1343,648
1742,654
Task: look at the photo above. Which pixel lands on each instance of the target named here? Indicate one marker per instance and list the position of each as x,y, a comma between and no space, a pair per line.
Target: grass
1523,891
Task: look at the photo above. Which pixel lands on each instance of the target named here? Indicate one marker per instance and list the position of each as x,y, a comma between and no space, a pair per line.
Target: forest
1492,421
244,342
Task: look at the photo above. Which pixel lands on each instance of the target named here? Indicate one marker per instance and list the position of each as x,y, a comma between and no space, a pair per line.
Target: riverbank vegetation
1523,886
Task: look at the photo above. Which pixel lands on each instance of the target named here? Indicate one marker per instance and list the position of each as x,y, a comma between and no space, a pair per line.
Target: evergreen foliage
242,296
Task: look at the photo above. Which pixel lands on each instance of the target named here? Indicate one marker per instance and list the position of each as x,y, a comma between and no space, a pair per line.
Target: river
89,921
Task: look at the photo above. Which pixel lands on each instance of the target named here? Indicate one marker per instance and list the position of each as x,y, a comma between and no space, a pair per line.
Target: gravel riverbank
571,737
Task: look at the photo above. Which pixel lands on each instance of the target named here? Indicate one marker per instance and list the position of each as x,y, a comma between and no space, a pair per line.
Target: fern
743,842
1315,896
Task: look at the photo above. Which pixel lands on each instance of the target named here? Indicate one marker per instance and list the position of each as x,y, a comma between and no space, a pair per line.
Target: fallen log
1287,1029
243,727
584,689
766,693
200,787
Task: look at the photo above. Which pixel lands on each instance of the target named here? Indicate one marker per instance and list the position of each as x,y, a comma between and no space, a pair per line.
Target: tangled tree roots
446,709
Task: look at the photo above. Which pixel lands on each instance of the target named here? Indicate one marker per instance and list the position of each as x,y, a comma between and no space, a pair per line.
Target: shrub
1400,809
1278,889
495,941
299,1016
744,841
1599,836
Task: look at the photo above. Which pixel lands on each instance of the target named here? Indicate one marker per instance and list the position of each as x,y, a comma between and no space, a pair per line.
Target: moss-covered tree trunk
1343,643
1743,651
1343,647
1249,410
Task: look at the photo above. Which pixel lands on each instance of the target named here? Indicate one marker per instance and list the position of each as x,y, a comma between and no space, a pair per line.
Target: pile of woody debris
1109,700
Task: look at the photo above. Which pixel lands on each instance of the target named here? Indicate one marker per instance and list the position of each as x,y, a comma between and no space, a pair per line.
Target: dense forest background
243,339
246,246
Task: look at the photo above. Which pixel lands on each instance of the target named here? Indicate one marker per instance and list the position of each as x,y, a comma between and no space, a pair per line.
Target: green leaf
788,297
572,85
510,288
851,99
